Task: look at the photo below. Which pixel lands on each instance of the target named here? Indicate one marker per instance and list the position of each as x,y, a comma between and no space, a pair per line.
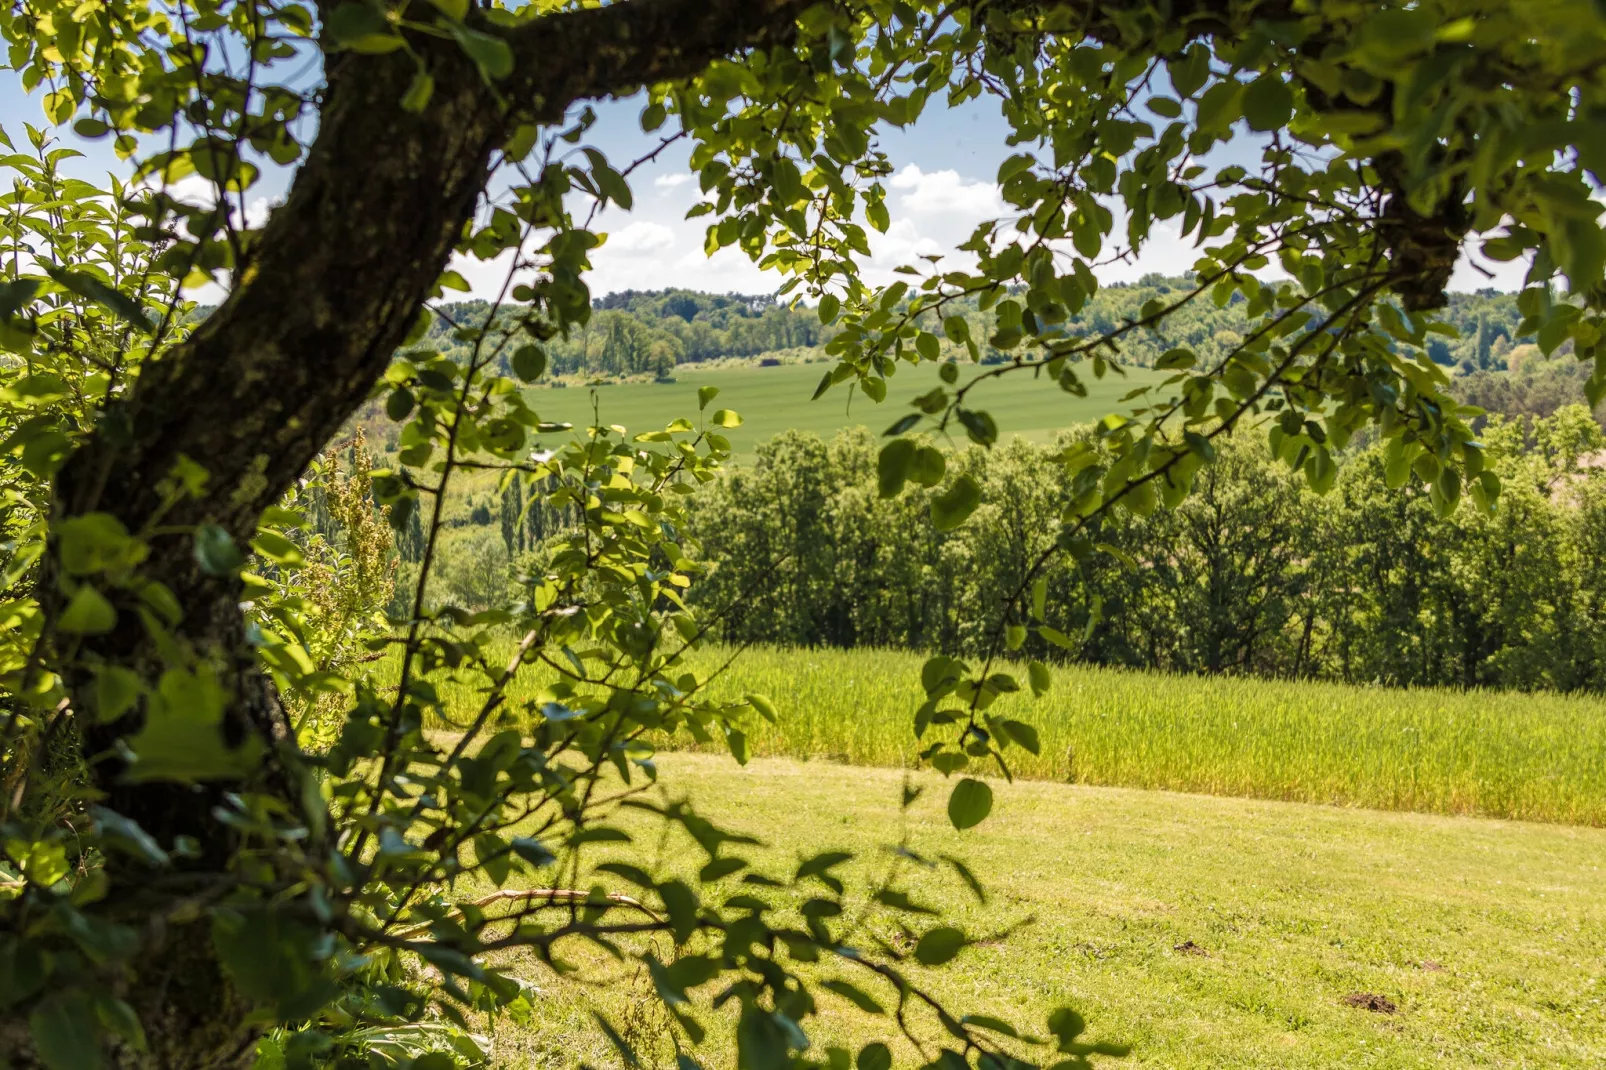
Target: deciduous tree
207,878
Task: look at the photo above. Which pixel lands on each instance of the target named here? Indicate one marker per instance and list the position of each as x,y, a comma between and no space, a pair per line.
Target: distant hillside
650,332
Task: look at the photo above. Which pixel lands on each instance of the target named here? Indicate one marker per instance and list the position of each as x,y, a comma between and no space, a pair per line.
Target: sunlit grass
1486,936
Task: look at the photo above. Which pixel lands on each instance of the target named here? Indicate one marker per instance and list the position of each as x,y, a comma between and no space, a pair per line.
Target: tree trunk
335,281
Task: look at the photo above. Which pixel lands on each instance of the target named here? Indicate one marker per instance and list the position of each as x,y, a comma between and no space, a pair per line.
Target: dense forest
1255,573
636,333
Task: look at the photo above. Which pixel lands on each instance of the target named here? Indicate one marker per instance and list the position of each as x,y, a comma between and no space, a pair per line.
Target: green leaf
941,944
416,99
970,803
1040,678
96,542
1023,734
1268,103
893,466
116,690
23,970
1165,107
87,286
830,305
1055,636
65,1032
1219,106
360,28
1188,73
491,54
278,549
44,452
215,551
609,182
127,836
979,426
764,708
400,404
529,362
929,466
725,418
182,738
88,613
705,394
954,506
456,10
274,959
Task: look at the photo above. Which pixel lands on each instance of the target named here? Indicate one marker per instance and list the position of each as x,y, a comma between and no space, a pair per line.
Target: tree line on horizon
650,332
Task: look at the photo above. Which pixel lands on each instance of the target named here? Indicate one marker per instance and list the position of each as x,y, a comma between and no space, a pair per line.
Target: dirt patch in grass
1370,1001
1188,947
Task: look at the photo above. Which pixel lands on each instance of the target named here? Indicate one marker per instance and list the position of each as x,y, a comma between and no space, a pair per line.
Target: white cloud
640,238
256,213
671,181
944,193
1475,271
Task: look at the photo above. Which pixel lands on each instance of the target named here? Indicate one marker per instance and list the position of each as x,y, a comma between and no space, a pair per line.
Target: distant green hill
772,400
651,332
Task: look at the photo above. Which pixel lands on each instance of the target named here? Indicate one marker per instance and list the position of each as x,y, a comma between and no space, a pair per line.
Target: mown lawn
1488,937
772,400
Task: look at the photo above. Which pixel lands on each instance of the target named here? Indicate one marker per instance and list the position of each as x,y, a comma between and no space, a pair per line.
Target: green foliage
1256,572
398,824
334,866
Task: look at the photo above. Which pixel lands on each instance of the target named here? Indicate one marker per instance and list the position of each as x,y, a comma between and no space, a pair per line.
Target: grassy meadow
1205,932
772,400
1528,757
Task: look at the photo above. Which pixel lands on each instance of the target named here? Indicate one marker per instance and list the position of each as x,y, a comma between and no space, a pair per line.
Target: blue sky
942,187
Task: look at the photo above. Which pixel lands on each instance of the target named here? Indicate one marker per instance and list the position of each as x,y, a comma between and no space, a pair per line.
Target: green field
1532,757
1486,936
772,400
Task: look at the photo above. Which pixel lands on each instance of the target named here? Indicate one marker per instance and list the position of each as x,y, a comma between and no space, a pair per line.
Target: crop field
1204,932
772,400
1530,757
